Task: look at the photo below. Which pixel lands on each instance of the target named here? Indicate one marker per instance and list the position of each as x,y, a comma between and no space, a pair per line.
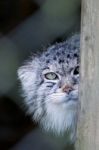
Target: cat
50,83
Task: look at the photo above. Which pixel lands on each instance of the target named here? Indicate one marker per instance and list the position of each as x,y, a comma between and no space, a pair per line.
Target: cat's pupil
51,76
76,71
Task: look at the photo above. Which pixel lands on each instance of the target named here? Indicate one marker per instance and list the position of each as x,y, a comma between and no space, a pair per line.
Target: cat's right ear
21,72
26,71
27,74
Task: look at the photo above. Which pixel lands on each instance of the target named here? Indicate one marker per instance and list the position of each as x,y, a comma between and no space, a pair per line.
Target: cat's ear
26,71
23,72
26,75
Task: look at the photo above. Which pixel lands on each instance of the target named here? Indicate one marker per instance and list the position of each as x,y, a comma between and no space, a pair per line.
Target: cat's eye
51,76
76,70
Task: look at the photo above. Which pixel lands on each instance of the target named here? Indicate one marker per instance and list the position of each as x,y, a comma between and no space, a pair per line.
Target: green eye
51,76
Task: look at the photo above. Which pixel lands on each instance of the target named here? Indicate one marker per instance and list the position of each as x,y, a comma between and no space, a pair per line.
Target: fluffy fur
56,110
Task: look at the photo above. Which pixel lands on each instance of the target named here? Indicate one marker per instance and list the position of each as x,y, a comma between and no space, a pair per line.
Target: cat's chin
61,117
60,121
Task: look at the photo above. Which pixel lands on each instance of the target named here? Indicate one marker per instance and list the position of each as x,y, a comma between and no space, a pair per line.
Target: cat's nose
67,88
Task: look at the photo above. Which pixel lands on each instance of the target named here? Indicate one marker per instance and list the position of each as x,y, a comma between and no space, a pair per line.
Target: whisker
48,101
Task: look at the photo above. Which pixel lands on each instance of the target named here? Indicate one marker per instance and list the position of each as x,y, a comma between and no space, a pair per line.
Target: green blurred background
26,26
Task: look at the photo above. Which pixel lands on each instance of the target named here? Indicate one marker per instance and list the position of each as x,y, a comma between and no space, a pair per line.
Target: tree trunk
88,126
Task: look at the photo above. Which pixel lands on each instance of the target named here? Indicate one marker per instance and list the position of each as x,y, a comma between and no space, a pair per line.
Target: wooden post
88,126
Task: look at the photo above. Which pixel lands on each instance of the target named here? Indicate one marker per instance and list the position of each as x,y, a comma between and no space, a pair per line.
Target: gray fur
55,110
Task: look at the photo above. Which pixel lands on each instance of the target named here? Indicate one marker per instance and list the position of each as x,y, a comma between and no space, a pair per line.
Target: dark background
27,26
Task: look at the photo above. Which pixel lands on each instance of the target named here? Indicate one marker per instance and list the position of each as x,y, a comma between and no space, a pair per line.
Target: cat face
50,87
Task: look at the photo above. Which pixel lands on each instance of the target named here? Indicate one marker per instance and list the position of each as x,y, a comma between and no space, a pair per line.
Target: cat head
50,86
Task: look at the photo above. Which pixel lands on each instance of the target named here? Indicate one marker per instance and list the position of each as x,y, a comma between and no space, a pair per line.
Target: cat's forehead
64,50
62,65
62,56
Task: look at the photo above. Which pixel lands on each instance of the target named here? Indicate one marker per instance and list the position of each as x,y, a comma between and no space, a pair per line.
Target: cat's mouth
73,96
71,99
64,97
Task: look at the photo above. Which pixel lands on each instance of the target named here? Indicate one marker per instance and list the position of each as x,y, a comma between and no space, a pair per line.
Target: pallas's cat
50,87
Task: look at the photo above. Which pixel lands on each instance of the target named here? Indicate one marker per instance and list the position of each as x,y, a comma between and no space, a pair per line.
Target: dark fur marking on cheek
43,105
50,84
40,106
41,82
